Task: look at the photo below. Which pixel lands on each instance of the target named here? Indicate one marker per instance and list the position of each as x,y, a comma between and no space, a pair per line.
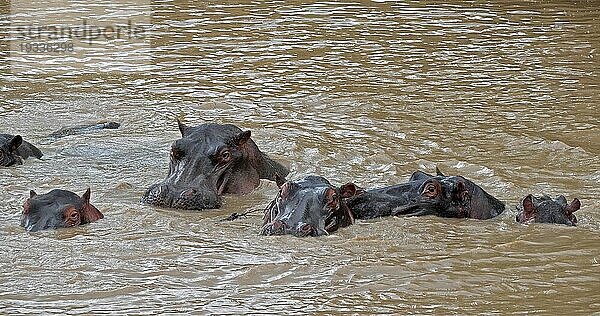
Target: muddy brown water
505,93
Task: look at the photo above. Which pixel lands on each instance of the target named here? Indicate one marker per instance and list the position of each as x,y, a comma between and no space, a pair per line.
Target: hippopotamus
208,161
83,129
13,150
425,194
57,209
544,209
310,206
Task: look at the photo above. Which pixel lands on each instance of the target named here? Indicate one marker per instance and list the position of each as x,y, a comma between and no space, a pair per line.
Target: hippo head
56,209
8,151
308,207
208,161
452,196
425,194
547,210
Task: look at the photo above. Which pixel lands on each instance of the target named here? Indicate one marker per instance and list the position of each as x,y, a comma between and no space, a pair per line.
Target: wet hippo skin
310,206
208,161
57,209
425,194
545,209
13,150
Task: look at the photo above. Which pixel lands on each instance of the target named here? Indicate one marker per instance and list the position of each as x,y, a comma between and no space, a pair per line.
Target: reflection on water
503,94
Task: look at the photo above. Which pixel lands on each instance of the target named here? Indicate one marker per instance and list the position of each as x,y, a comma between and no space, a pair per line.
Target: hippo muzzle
191,198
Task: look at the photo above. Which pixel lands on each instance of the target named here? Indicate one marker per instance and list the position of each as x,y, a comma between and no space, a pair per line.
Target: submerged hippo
83,129
56,209
308,207
13,150
544,209
208,161
425,194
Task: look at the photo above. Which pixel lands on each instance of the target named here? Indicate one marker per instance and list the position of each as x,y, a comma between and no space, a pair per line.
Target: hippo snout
185,198
306,230
279,227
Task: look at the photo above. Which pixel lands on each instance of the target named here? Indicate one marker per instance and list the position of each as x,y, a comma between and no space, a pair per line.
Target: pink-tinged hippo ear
574,206
182,127
279,180
86,196
350,189
241,138
438,172
32,194
528,207
89,213
14,143
285,189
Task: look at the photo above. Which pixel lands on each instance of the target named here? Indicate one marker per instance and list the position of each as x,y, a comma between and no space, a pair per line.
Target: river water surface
504,93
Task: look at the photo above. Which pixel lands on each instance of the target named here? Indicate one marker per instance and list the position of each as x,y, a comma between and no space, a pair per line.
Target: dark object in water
13,150
544,209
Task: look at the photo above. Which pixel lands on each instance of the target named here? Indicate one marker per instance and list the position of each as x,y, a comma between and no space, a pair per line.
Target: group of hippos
211,160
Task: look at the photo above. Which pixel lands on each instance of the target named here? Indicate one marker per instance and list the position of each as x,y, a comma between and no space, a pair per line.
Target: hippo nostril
306,227
188,194
278,226
275,228
306,230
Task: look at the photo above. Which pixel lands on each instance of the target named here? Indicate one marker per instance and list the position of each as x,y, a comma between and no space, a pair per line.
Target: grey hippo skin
208,161
425,194
308,207
544,209
13,150
83,129
57,209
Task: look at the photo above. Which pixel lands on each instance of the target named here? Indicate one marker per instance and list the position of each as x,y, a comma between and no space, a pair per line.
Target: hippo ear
286,188
279,180
528,207
241,138
32,194
86,196
182,127
438,172
574,206
14,143
349,190
89,213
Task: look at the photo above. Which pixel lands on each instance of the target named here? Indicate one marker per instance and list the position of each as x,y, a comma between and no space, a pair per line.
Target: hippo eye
331,199
71,217
430,190
226,155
